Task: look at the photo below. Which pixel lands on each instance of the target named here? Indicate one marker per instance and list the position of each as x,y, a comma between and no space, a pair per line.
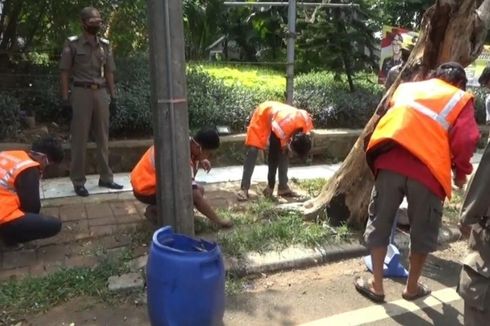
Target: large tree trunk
452,30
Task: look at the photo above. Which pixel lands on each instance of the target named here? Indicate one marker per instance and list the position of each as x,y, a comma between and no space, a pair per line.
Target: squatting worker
88,60
283,127
474,283
143,176
20,172
428,130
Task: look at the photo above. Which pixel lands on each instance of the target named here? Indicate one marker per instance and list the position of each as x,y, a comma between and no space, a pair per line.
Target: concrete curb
296,257
299,257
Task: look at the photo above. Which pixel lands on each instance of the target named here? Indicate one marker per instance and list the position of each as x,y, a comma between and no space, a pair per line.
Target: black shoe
110,185
81,191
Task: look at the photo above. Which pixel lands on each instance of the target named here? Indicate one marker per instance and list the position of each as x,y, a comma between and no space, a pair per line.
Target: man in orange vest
143,176
20,203
283,127
429,130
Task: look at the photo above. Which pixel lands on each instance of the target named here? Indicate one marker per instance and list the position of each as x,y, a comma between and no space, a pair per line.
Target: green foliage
336,39
407,14
312,186
264,227
480,95
37,294
217,95
9,116
332,104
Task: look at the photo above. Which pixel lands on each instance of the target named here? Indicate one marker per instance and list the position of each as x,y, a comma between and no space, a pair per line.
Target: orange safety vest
143,177
419,119
12,163
282,119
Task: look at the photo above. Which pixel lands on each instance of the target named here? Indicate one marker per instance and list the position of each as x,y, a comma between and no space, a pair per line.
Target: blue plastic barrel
185,281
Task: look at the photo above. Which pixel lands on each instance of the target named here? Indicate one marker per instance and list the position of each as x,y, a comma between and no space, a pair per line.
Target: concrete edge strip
325,254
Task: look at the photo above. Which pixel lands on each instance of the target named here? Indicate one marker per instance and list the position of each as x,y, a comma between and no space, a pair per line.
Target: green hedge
9,116
217,95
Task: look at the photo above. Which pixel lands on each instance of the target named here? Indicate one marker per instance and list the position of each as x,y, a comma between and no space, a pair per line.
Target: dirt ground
132,311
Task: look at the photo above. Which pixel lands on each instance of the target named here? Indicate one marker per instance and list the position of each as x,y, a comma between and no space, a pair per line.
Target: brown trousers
90,114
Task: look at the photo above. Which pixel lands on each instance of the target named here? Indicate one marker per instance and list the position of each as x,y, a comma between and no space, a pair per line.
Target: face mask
92,29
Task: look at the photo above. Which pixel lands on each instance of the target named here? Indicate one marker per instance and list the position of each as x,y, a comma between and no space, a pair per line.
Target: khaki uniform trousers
90,114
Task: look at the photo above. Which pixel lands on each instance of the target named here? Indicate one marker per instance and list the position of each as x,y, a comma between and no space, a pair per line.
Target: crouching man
143,176
20,172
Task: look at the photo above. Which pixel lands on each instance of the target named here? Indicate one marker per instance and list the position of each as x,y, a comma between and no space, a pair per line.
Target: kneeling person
143,176
20,172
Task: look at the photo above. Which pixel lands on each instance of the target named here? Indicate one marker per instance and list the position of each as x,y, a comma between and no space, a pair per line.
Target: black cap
452,65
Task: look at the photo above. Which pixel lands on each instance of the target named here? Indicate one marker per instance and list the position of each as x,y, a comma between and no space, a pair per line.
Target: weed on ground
31,295
261,227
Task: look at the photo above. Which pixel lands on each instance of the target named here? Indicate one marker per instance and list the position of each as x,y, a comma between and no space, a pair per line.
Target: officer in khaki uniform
474,284
88,60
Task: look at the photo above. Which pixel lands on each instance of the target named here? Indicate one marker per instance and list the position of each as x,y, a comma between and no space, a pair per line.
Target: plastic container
185,280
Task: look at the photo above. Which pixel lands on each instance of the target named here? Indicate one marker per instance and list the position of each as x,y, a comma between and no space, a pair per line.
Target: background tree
451,31
340,40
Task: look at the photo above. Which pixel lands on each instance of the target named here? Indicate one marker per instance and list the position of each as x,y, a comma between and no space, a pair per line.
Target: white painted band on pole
306,4
172,101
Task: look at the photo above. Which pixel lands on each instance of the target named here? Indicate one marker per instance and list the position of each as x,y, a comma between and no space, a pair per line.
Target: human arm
66,62
27,188
463,138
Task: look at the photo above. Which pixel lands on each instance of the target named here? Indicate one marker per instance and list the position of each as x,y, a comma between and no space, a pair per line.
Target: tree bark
452,30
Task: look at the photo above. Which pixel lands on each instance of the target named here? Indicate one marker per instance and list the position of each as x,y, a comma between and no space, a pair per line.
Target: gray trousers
424,212
276,160
90,114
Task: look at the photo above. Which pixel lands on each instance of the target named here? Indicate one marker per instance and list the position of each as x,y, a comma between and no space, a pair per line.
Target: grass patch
263,227
36,294
452,207
234,285
312,186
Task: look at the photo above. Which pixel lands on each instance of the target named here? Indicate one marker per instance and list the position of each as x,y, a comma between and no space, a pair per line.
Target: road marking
394,308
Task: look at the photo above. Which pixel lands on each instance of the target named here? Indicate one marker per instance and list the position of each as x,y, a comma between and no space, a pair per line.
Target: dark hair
207,138
485,76
400,37
87,12
301,144
49,146
452,73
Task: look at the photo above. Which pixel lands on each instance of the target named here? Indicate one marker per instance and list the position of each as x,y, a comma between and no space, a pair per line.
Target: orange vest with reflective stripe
419,119
12,163
143,177
280,118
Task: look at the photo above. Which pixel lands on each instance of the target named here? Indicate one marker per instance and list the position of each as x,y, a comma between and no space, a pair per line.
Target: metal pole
170,116
290,52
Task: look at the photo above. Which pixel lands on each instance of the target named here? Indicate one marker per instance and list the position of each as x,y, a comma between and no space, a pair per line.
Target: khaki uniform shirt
86,62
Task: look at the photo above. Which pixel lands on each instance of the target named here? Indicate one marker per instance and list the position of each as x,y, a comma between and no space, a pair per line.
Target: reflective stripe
277,128
152,157
6,186
449,107
445,112
304,114
428,113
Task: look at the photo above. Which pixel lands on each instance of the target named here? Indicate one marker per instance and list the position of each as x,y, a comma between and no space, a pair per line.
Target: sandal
288,193
241,195
364,288
422,291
